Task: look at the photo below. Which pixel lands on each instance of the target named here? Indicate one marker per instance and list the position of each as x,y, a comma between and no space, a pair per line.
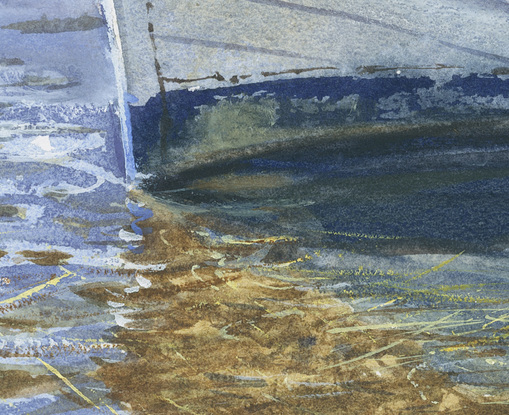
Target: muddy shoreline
209,337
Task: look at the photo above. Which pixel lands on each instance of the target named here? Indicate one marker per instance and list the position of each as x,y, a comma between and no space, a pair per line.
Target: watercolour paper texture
254,207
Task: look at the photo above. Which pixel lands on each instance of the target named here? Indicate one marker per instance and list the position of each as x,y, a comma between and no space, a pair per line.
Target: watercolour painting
254,207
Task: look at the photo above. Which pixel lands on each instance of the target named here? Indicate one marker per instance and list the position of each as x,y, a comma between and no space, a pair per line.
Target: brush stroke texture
375,22
57,25
238,47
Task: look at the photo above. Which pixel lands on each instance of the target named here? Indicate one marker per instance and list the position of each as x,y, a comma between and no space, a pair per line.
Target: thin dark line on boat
369,21
475,52
370,69
235,78
238,47
334,13
165,123
298,71
217,76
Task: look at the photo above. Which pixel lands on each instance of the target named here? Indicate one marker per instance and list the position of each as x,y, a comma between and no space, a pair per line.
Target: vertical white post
108,9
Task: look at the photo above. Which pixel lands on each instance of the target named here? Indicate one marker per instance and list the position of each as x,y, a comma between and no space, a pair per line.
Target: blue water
441,186
422,194
70,196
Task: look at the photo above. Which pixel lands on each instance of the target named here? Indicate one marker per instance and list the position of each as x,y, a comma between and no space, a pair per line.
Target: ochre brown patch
46,258
101,292
232,183
20,383
18,323
211,339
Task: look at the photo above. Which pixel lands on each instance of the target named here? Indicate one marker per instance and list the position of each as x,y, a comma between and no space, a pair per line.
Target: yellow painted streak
359,235
401,364
464,333
270,397
262,306
439,292
454,348
408,357
463,286
385,304
456,298
257,328
287,264
293,279
176,405
74,388
270,239
436,267
111,410
503,319
361,271
396,326
67,382
393,344
470,322
484,327
479,342
285,313
364,356
161,233
273,288
32,291
184,359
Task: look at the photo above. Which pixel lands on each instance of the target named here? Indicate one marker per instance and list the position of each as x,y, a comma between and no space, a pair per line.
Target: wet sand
209,336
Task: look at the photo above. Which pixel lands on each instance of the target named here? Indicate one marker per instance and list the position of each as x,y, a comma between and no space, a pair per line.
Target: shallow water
63,206
409,230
